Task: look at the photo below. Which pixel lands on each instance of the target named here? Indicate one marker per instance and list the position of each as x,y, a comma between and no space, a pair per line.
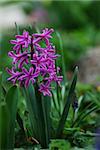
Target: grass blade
67,105
78,120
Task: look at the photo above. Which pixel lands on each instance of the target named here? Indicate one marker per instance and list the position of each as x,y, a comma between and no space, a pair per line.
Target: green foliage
11,100
8,108
67,105
75,14
59,145
4,125
77,23
39,114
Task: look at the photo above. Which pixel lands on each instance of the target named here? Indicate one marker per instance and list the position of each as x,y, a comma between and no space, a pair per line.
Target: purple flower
54,77
29,76
14,75
50,68
21,40
21,57
48,48
45,89
40,61
45,35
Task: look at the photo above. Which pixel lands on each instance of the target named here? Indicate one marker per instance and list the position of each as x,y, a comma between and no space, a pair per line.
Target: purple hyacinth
14,75
32,62
21,40
29,75
45,89
21,58
38,61
43,36
54,77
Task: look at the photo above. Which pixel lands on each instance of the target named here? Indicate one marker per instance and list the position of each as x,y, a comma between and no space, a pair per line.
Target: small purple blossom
28,76
54,77
43,36
21,57
45,89
14,75
21,40
31,61
38,61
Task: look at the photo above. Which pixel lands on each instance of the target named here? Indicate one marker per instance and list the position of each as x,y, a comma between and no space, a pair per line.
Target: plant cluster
31,61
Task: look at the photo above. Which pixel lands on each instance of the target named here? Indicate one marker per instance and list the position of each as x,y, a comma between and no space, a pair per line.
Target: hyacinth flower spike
31,60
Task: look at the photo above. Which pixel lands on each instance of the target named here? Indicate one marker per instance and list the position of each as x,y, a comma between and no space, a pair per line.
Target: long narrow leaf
46,106
38,108
11,100
0,86
62,56
78,121
67,105
43,106
81,114
29,94
4,126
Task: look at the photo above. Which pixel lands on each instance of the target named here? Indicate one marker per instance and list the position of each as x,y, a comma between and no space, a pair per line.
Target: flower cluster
32,61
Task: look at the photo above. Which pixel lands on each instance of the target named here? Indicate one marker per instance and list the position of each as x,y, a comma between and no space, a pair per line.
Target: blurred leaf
4,126
83,87
59,145
11,100
17,29
67,105
0,86
29,94
62,56
83,115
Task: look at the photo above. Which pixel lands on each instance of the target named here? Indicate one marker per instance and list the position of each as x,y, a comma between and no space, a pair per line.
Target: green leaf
11,100
29,95
17,28
67,105
62,55
0,86
39,114
85,110
4,125
83,116
59,145
46,108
